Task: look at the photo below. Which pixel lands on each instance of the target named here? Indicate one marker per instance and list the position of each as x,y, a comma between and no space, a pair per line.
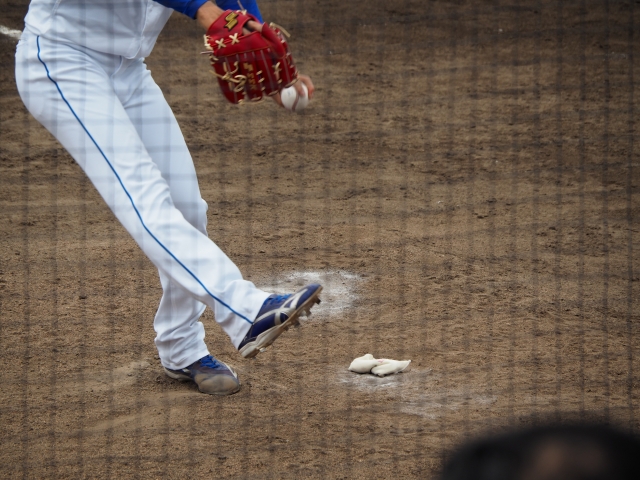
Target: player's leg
158,129
163,139
179,331
71,93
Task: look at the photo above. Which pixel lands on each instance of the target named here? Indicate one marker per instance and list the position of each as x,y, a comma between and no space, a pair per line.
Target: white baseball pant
114,121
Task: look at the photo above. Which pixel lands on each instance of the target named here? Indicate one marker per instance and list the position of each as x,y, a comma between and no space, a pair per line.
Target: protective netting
465,184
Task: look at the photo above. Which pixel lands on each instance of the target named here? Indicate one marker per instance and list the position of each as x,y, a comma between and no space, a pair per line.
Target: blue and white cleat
212,376
278,313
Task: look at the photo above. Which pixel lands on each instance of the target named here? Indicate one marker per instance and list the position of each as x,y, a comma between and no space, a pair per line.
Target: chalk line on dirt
9,32
369,383
418,392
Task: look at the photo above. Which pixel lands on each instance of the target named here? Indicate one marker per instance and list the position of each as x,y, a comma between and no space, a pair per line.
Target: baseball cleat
212,376
278,313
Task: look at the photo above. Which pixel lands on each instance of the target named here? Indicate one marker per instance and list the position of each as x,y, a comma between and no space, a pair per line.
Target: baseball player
80,72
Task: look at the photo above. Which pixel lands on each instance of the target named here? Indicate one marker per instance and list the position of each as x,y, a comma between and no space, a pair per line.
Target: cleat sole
265,339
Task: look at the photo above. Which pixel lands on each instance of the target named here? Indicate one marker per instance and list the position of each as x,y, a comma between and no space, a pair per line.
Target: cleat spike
278,314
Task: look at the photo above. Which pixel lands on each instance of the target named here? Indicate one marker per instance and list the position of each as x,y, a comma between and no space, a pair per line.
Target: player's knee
196,214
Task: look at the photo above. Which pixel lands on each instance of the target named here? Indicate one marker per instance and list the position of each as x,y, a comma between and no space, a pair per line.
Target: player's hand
252,27
302,79
262,47
207,14
306,79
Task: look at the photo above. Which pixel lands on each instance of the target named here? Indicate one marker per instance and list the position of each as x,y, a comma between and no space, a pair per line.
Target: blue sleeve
188,7
251,6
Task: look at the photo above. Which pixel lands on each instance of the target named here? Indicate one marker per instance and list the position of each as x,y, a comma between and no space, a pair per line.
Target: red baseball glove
249,65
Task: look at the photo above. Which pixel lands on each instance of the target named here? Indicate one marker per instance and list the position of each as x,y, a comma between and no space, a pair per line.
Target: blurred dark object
557,452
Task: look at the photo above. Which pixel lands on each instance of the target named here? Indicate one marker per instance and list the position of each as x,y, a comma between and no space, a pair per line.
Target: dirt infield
466,183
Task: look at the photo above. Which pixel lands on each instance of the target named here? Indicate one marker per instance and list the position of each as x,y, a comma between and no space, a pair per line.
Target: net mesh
464,185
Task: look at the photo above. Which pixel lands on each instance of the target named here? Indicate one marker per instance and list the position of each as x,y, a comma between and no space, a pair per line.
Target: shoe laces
276,299
210,362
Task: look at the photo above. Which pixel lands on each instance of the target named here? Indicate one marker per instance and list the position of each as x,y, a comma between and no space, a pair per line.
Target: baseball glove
249,65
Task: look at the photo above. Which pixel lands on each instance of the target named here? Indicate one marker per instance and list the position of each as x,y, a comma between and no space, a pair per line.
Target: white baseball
292,101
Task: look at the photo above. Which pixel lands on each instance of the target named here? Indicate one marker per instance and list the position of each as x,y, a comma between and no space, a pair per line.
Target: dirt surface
466,184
